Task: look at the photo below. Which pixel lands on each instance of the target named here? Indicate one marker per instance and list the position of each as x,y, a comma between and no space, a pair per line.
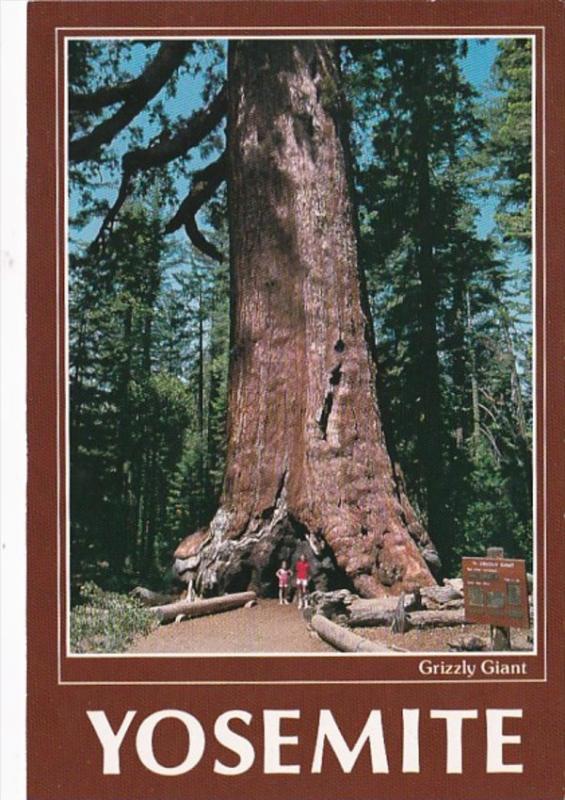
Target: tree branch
489,412
104,96
167,149
196,129
136,95
496,451
204,185
108,221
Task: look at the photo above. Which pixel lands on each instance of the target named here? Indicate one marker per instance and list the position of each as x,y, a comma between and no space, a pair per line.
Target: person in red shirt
302,572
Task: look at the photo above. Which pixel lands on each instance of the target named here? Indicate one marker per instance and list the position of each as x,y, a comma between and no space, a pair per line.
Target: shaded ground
264,628
437,639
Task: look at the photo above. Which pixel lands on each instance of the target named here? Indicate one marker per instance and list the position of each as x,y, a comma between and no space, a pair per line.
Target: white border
13,401
218,32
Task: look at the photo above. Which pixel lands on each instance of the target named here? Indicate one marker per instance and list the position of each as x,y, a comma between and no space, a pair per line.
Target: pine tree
420,186
510,145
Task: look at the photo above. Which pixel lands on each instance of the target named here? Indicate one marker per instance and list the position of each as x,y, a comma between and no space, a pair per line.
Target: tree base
307,467
228,561
223,559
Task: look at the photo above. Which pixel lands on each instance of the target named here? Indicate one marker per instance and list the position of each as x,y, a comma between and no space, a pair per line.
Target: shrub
107,622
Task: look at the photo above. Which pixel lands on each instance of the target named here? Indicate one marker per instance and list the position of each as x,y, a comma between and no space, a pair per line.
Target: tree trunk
200,608
201,441
474,381
344,640
123,544
430,428
307,466
519,411
438,619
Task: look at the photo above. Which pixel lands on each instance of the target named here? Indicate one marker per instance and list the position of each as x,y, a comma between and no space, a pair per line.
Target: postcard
294,496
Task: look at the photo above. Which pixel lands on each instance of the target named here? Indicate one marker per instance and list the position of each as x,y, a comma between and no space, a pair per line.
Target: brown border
59,738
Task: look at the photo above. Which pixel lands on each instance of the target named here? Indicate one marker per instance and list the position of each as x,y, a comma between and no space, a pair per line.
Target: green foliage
491,516
509,151
420,142
107,622
148,375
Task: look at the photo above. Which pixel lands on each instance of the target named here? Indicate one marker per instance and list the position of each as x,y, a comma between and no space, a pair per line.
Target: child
283,574
302,571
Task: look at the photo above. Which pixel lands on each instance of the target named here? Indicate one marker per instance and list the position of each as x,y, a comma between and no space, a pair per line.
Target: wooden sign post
496,594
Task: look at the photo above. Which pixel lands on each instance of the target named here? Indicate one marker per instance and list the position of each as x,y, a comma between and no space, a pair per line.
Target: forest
231,290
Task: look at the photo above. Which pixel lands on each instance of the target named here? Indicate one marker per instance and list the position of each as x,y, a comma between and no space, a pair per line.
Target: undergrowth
107,622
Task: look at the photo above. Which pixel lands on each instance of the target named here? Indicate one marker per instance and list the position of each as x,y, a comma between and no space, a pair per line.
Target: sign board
496,592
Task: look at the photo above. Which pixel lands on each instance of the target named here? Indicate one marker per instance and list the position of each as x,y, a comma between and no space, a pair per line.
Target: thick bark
307,466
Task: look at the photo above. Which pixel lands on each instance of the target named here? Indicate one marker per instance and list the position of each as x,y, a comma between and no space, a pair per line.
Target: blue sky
476,68
478,63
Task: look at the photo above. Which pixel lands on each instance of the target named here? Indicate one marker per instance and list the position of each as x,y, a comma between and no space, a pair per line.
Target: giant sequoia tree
306,455
307,464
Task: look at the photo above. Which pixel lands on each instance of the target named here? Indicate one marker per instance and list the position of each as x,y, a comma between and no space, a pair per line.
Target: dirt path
264,628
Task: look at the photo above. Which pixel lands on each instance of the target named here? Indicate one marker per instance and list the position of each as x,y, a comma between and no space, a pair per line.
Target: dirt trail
265,628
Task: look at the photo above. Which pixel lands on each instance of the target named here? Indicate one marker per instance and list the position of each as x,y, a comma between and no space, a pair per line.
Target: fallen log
370,616
437,596
150,598
437,619
343,639
199,608
331,604
380,611
385,603
375,616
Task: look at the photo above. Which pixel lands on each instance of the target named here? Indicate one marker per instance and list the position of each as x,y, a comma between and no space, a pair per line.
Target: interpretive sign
496,592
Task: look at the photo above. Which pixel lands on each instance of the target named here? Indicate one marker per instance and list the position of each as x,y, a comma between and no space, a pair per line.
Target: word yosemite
280,755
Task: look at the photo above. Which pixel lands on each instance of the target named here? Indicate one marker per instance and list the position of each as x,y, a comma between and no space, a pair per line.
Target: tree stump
400,622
